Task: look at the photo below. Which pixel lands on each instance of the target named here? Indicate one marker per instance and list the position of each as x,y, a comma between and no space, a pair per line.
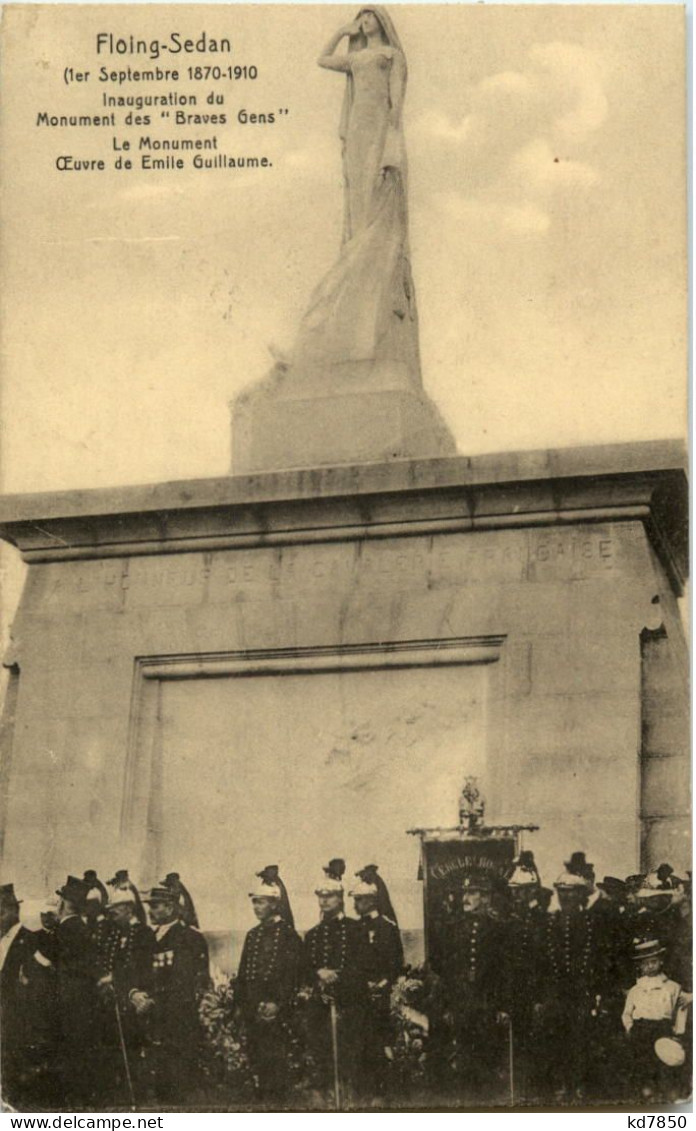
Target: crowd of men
516,1003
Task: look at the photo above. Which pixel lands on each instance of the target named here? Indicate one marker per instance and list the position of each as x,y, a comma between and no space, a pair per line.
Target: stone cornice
645,482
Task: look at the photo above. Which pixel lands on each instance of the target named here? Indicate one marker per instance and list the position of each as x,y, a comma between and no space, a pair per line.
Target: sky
547,220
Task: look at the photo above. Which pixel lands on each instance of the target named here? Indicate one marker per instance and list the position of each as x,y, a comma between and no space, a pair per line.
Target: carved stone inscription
438,561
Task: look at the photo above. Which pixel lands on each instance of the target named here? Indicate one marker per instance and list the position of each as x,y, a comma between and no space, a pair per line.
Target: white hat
522,877
654,893
569,880
120,896
363,888
670,1051
265,891
328,886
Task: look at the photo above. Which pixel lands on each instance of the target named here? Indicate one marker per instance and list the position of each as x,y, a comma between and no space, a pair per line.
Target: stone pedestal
215,675
354,413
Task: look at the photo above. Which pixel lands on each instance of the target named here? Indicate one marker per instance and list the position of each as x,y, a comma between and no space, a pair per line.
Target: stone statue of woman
361,324
351,390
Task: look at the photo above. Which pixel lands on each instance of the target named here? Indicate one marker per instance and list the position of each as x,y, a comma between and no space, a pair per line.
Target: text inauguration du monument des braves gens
144,104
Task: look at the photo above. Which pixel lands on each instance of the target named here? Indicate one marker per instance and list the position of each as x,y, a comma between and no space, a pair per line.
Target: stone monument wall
214,676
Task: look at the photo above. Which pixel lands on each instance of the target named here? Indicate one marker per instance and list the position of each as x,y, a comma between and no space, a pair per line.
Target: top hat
8,897
578,865
74,890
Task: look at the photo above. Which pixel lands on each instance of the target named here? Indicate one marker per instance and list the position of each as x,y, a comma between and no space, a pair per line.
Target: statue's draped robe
362,316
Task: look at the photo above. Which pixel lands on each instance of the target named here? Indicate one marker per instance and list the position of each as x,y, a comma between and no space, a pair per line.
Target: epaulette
388,920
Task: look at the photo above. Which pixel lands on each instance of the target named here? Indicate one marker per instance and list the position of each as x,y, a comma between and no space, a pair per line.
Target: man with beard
269,974
336,987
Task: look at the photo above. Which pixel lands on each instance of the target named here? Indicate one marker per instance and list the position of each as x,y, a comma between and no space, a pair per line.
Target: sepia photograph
345,732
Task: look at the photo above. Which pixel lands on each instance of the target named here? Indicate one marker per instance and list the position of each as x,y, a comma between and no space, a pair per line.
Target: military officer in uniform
524,972
77,997
470,961
180,975
26,1007
384,963
574,986
335,964
268,977
125,986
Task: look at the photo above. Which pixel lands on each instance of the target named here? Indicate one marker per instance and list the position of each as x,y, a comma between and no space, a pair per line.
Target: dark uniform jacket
576,958
525,960
384,953
19,982
338,944
180,975
102,932
470,960
76,968
128,959
270,966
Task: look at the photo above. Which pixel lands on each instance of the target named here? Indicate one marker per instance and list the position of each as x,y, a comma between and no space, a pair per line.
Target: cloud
521,141
491,217
540,171
434,124
566,69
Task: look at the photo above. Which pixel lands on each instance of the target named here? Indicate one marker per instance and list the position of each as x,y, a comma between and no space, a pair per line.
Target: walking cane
124,1054
511,1063
334,1045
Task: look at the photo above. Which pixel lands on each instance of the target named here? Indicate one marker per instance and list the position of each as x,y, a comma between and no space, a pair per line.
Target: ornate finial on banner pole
472,805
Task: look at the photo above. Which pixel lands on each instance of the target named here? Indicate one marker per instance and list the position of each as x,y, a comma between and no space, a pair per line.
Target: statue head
369,19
